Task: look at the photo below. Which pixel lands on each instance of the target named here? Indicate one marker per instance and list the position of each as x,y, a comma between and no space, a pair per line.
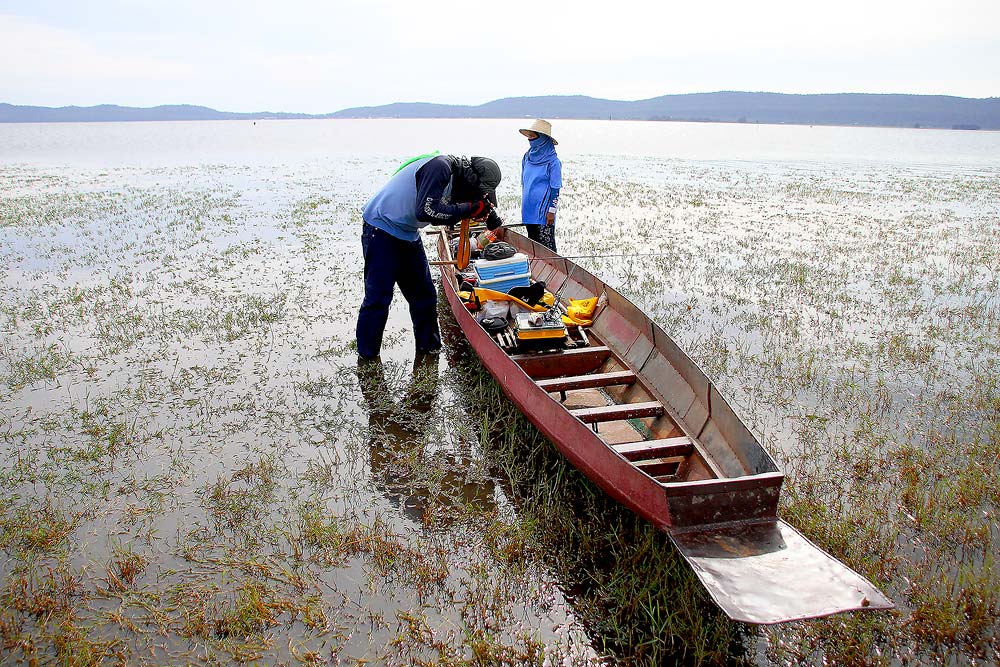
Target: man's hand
493,220
550,219
481,209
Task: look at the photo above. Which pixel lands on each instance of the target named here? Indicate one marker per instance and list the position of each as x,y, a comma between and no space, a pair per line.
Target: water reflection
430,486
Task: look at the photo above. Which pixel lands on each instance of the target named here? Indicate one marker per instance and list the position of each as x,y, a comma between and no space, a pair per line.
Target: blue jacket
419,194
541,179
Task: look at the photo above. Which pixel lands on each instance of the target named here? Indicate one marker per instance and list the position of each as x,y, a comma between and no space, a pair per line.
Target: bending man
431,189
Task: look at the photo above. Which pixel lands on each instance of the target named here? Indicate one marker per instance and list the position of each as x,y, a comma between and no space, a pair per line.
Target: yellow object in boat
580,312
493,295
582,309
530,326
536,334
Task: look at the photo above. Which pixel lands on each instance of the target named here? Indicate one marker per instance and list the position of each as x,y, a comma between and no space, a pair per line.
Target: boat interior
625,378
601,390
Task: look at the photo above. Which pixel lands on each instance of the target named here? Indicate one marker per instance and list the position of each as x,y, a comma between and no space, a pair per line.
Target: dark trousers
544,234
388,262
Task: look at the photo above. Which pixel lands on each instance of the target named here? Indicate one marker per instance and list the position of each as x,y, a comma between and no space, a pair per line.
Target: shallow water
632,144
178,379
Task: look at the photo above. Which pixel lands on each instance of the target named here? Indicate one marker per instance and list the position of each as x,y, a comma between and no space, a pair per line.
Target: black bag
498,250
494,325
531,294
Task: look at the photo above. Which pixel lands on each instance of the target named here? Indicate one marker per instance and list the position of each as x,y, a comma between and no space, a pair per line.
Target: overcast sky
293,55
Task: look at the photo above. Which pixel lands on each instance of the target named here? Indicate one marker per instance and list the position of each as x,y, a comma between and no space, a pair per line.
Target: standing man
541,179
430,189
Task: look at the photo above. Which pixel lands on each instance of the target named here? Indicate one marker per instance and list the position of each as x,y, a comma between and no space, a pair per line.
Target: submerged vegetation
194,471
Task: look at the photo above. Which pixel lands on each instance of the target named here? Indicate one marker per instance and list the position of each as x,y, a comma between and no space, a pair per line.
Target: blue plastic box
502,268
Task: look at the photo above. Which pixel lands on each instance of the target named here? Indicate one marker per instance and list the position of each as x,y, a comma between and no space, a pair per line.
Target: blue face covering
542,150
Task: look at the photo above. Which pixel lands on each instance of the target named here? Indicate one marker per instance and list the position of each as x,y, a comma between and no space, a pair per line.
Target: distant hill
10,113
936,111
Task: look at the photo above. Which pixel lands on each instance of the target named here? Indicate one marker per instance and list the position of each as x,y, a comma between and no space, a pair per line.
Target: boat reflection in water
428,484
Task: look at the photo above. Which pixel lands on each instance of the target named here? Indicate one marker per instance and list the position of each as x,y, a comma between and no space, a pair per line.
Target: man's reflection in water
430,487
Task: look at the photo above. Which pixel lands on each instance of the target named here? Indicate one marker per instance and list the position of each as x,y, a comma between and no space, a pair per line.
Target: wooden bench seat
655,449
610,413
559,363
590,381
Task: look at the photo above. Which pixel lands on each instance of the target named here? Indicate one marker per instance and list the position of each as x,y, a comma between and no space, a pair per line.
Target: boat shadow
638,599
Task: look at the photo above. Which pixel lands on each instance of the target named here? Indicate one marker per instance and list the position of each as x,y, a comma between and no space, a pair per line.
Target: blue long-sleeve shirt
417,195
541,180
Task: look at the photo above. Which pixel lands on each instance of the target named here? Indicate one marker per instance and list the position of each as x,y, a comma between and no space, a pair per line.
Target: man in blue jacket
430,189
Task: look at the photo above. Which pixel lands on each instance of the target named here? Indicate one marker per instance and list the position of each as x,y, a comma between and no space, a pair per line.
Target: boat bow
766,572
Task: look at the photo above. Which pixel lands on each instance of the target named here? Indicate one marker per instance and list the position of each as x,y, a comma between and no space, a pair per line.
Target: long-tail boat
632,411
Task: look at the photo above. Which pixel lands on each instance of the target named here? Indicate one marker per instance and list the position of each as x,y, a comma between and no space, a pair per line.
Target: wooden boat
637,416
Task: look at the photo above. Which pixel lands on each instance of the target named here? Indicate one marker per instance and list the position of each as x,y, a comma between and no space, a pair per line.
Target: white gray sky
315,57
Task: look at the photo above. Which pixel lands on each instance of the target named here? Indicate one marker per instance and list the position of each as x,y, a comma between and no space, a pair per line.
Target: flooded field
193,470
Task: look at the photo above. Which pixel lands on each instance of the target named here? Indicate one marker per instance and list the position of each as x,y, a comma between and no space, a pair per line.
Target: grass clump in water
28,528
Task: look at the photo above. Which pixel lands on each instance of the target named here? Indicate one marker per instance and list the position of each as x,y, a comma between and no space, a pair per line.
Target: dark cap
488,174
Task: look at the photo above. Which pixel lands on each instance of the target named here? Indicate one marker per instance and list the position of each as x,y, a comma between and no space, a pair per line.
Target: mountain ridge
862,109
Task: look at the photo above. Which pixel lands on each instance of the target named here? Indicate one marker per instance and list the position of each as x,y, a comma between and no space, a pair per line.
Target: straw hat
541,127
